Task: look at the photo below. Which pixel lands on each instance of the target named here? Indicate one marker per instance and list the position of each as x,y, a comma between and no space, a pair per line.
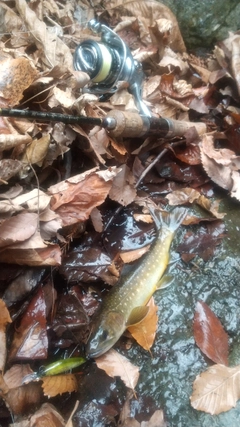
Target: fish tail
170,220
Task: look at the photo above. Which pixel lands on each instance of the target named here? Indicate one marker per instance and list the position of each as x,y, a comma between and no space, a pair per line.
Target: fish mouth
92,352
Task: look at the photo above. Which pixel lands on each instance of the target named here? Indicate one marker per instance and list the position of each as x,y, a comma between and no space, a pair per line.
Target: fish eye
104,334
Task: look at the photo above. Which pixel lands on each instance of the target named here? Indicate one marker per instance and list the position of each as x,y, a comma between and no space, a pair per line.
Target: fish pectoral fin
137,314
165,281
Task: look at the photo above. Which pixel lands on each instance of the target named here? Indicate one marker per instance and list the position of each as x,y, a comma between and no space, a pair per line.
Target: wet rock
204,22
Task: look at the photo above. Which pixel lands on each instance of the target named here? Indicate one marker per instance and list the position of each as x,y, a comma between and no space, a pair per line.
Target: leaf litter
69,194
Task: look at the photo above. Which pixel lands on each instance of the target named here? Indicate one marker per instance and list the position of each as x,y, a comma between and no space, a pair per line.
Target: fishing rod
107,63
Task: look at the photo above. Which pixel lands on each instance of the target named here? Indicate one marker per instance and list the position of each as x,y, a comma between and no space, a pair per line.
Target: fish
125,303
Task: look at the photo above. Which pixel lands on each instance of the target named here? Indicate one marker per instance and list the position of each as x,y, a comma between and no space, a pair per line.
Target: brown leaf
18,228
4,320
47,416
49,255
30,339
75,198
221,165
210,335
144,332
59,384
9,168
22,399
148,13
9,141
217,389
36,151
53,50
123,190
190,195
116,365
131,256
14,376
16,75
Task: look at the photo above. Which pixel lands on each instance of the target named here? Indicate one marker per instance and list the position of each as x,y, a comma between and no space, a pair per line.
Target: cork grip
128,124
179,128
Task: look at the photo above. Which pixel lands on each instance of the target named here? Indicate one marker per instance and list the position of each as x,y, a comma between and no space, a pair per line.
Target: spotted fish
125,304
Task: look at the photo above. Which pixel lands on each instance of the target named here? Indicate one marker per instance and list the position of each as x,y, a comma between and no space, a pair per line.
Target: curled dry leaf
116,365
209,334
217,389
22,399
59,384
144,332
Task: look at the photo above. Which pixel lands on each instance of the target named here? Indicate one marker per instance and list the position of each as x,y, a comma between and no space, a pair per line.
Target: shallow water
168,375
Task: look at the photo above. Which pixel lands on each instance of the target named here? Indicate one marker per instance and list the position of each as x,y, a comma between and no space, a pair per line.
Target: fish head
106,331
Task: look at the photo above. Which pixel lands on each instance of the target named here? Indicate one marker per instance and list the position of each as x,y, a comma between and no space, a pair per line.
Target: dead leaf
190,195
123,190
8,169
16,75
59,384
75,198
216,390
22,400
4,320
131,256
49,255
18,228
144,332
221,165
9,141
13,377
149,13
53,50
30,340
36,151
116,365
209,334
46,416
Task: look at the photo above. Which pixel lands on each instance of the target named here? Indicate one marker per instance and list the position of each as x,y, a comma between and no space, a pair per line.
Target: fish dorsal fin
137,314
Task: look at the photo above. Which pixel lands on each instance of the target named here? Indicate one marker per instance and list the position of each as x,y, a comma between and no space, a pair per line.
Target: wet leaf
33,257
144,332
210,335
216,390
30,340
116,365
59,384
